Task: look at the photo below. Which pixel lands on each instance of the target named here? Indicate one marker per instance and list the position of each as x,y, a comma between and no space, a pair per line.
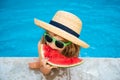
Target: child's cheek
60,49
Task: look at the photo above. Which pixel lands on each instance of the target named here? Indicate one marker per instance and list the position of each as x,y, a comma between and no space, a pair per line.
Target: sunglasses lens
48,38
59,44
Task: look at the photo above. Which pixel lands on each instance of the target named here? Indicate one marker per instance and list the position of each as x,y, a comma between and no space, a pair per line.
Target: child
62,34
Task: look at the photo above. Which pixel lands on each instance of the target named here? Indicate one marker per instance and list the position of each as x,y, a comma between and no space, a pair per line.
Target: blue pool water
19,35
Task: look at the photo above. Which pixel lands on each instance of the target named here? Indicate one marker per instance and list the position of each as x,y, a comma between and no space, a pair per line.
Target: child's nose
52,45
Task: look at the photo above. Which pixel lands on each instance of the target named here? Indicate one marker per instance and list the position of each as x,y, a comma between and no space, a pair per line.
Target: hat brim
61,33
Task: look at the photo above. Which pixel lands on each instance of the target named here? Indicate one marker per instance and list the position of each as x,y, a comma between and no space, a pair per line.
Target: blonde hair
71,50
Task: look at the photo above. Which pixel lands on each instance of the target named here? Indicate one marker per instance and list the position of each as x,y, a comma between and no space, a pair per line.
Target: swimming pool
19,35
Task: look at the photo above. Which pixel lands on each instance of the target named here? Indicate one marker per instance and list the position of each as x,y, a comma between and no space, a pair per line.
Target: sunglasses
58,43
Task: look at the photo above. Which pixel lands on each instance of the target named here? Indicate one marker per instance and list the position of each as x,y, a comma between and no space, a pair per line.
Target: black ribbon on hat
65,28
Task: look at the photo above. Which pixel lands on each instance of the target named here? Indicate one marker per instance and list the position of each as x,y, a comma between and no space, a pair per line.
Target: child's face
52,44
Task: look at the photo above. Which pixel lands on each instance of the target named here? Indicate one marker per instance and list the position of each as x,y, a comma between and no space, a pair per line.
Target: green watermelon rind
72,65
57,65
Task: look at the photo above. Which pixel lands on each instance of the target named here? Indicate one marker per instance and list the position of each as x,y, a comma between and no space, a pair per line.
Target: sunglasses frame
54,40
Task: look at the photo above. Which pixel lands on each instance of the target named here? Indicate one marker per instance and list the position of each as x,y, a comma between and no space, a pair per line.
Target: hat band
65,28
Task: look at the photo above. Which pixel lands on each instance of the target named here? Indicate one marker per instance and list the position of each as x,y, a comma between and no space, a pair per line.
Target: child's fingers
44,61
49,67
54,67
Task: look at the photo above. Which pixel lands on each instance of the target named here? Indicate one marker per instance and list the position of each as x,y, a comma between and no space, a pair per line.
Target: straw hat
66,25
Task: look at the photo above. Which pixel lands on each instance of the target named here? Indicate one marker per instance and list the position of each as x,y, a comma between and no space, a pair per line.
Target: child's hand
45,64
46,68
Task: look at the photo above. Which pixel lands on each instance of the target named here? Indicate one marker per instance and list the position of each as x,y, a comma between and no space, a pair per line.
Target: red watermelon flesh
55,58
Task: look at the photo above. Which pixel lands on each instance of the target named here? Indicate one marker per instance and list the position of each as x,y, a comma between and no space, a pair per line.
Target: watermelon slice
55,58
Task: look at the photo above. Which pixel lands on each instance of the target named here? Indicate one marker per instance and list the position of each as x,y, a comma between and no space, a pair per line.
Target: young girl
62,34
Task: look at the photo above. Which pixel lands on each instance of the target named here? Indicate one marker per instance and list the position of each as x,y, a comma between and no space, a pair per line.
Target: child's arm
45,68
37,64
41,63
